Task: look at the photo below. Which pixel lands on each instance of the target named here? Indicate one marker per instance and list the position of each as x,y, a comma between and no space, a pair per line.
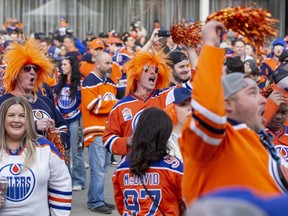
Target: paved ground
79,206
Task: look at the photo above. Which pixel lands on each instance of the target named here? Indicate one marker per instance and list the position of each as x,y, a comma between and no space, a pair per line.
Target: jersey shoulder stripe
44,142
127,99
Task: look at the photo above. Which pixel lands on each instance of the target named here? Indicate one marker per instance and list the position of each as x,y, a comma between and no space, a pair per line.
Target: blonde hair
30,135
134,68
18,56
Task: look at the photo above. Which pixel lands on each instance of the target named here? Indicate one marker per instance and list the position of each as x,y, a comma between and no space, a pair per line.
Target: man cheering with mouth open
25,73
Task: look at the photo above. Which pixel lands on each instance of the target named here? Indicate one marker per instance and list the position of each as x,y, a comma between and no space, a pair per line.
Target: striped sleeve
94,102
59,187
112,139
205,129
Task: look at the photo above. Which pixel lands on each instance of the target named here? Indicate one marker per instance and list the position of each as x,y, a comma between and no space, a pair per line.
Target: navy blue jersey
68,108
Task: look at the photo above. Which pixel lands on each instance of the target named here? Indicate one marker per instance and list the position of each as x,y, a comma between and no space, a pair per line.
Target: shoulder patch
127,114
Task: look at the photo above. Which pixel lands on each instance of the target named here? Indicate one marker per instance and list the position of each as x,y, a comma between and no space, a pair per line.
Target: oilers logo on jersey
64,100
40,114
283,150
20,183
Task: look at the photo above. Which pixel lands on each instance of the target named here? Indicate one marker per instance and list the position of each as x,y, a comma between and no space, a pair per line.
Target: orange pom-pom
255,24
54,137
189,35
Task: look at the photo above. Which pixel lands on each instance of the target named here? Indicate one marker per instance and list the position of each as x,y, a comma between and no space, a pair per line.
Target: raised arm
206,127
154,38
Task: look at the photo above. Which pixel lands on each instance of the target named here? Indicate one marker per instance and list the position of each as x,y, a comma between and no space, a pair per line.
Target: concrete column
204,9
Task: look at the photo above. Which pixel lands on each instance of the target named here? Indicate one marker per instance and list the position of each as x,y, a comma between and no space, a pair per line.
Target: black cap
176,57
283,55
252,64
280,73
103,35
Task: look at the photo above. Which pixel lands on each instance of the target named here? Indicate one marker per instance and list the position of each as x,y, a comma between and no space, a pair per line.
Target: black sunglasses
27,68
146,68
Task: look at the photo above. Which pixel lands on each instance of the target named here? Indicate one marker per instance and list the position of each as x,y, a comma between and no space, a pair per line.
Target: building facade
105,15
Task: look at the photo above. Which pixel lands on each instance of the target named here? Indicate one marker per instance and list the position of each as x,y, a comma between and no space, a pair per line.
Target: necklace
144,96
30,98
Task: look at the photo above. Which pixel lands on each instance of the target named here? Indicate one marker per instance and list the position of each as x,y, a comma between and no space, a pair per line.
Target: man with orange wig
26,70
148,79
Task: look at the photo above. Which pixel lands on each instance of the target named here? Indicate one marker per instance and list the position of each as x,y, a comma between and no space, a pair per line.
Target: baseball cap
234,82
238,202
280,73
176,57
177,95
252,64
97,43
54,52
115,34
59,38
279,41
283,55
103,35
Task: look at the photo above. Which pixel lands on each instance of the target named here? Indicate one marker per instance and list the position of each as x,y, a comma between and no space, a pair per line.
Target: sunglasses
27,68
146,69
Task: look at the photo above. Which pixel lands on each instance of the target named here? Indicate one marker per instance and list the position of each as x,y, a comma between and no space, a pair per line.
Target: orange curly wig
18,56
134,68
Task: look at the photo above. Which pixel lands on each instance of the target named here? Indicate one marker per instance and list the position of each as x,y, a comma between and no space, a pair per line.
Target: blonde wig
29,137
134,68
20,55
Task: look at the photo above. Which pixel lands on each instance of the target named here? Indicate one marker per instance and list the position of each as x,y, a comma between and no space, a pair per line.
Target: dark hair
125,34
59,38
176,57
125,39
149,142
47,40
253,47
74,79
71,37
103,35
236,40
234,64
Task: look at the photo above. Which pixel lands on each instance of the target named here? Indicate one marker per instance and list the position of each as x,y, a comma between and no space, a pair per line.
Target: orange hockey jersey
163,182
119,125
218,153
86,68
280,140
98,98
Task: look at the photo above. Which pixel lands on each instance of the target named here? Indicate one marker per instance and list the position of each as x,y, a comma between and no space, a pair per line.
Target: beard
107,73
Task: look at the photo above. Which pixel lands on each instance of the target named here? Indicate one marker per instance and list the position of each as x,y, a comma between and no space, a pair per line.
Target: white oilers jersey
43,189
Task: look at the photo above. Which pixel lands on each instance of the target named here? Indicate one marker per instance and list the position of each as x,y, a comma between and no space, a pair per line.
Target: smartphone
163,33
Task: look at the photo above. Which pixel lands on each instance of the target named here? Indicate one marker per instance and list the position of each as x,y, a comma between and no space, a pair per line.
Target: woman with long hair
149,175
38,180
67,97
